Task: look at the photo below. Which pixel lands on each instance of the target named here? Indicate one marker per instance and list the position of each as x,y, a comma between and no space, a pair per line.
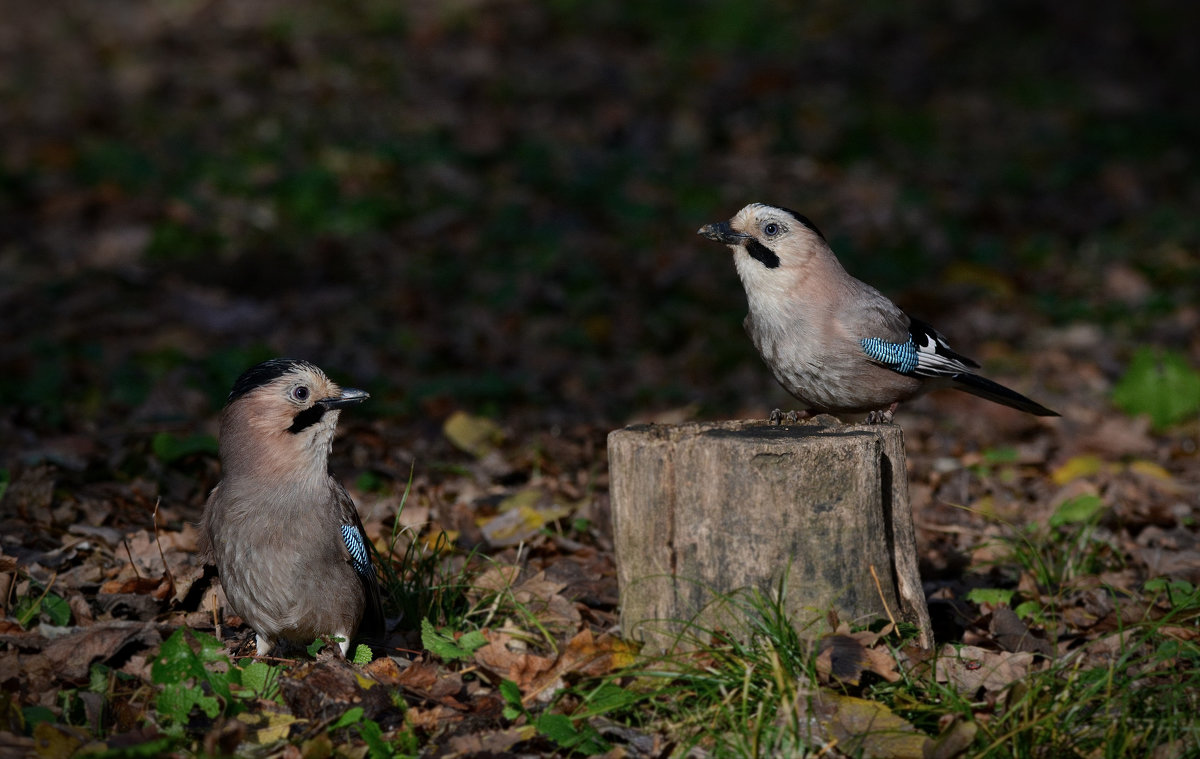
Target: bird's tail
993,391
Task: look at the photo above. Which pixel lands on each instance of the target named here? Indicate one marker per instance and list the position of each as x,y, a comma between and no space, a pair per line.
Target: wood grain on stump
701,511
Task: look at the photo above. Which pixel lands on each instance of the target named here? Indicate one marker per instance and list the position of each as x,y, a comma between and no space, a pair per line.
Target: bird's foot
883,415
779,417
263,644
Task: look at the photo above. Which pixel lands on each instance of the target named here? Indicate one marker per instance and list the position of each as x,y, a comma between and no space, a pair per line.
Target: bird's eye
300,393
771,229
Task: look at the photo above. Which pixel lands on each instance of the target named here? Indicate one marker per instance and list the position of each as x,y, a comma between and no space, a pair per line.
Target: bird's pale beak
721,232
348,397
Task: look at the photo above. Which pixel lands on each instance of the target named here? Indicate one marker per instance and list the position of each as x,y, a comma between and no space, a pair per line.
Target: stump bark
703,511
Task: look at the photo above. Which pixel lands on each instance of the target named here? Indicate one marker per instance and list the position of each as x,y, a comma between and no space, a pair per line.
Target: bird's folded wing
359,556
935,356
924,354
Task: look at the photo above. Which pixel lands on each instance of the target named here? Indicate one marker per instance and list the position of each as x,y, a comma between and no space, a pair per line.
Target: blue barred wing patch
901,357
358,550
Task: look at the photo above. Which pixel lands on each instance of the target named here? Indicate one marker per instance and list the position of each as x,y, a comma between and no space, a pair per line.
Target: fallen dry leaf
519,524
68,658
1079,466
30,495
267,723
845,657
539,596
584,655
1179,633
507,662
954,740
1013,635
857,727
159,587
420,676
431,719
321,690
386,670
475,435
969,668
490,743
138,277
61,741
494,579
538,676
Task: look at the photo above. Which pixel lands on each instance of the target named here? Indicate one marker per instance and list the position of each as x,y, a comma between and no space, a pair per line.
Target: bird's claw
779,417
882,415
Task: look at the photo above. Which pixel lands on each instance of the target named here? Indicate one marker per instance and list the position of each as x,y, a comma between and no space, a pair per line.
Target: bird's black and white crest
802,219
265,373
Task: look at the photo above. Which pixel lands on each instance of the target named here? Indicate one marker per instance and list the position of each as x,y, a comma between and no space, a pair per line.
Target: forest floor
484,214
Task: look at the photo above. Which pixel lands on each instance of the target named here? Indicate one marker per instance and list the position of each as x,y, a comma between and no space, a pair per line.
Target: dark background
484,213
492,205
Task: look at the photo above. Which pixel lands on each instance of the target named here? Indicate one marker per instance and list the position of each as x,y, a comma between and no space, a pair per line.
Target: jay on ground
285,536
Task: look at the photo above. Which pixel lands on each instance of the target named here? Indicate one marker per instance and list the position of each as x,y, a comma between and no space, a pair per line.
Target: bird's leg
883,415
776,417
343,642
262,644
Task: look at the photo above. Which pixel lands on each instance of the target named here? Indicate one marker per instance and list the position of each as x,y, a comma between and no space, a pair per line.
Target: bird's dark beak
348,397
721,232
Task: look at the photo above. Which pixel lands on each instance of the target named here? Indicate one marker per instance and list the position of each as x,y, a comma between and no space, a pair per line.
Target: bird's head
769,244
280,418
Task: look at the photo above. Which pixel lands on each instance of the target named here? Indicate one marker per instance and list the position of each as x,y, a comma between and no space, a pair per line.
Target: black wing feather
371,628
937,358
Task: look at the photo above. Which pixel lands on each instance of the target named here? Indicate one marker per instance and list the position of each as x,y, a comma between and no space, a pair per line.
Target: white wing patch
925,354
935,358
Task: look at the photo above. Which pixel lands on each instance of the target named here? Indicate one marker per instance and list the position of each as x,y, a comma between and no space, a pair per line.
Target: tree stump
703,510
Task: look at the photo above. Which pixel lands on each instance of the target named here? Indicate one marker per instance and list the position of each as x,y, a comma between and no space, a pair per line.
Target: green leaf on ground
351,716
511,693
992,596
54,607
1161,384
446,646
560,729
57,609
260,679
183,673
1077,510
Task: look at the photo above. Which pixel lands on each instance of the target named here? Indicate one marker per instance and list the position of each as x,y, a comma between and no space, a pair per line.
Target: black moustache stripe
762,254
307,418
